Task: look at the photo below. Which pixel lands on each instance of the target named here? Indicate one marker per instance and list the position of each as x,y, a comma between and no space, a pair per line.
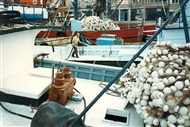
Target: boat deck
30,83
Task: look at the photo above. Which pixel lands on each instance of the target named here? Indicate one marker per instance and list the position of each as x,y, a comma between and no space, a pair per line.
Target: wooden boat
132,34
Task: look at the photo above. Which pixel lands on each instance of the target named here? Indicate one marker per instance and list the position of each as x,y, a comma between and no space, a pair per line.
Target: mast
185,25
75,3
100,8
116,8
168,12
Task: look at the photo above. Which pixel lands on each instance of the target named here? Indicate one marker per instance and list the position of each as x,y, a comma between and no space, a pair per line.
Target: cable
47,33
66,15
72,47
84,100
84,117
24,116
14,112
94,62
163,7
76,90
118,63
69,54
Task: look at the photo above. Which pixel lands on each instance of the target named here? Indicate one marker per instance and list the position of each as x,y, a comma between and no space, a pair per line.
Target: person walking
75,42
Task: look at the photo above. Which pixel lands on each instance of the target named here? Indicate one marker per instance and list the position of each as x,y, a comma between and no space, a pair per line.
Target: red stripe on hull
129,35
149,30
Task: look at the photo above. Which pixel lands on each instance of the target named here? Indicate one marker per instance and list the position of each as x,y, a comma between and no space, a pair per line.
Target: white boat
111,55
174,32
107,51
21,84
20,81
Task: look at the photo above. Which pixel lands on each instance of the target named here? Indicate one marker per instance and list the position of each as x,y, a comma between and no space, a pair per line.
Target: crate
105,41
118,41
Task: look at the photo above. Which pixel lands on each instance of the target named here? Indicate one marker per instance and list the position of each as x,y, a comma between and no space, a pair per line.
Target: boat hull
149,30
172,35
128,35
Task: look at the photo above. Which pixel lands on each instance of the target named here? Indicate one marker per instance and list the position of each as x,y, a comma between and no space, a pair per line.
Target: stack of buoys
94,23
159,86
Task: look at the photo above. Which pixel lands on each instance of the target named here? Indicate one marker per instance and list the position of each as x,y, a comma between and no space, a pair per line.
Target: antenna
52,76
58,66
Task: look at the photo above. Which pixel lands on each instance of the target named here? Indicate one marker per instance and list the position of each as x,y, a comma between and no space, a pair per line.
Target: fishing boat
96,26
133,34
157,111
174,33
108,51
25,85
24,89
178,31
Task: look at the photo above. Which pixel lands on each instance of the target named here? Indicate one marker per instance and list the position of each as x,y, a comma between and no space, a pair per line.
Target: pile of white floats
94,23
159,86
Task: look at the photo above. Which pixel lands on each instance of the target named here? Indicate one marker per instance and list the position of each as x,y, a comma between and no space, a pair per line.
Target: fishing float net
159,86
94,23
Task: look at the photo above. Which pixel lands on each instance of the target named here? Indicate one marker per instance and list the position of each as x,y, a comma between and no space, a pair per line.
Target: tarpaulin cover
52,114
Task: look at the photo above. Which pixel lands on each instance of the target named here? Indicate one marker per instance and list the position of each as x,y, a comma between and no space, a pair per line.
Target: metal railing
141,3
27,13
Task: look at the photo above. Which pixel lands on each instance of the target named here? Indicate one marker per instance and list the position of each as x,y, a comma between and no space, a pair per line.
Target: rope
116,8
52,24
113,91
14,113
118,63
67,15
163,7
84,103
69,54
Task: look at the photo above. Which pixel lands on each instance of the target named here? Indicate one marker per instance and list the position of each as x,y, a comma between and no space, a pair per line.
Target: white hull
18,77
109,52
174,35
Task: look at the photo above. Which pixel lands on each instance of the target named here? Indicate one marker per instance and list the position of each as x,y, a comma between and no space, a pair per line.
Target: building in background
118,10
148,10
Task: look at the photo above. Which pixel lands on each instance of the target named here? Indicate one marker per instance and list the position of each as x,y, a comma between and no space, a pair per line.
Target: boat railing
11,13
177,22
81,70
1,6
173,5
142,3
156,3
